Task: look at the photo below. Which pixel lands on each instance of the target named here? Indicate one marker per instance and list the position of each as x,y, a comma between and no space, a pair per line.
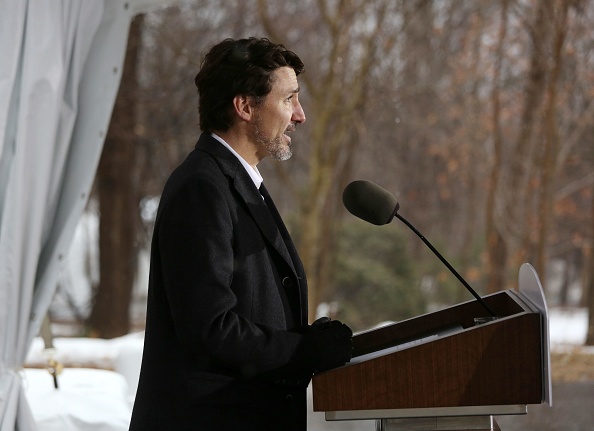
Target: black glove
318,325
331,341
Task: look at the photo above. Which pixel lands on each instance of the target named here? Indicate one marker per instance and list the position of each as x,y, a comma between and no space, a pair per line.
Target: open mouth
290,129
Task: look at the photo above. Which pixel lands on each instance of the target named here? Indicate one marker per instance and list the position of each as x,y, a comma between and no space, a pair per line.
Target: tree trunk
496,252
551,147
522,176
118,203
590,287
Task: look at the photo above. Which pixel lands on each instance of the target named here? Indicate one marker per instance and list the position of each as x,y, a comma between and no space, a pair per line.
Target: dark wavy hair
238,67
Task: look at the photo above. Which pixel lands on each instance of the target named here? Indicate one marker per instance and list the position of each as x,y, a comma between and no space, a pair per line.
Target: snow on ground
86,400
100,396
568,326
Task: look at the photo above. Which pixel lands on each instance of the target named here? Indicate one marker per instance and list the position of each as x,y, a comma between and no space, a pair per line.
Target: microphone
375,205
370,202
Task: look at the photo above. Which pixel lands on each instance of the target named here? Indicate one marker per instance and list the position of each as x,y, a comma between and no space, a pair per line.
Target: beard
277,147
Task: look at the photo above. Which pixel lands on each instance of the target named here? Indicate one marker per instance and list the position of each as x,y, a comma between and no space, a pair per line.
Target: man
227,344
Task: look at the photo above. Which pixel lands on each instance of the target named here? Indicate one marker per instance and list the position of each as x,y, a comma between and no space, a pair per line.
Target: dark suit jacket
227,304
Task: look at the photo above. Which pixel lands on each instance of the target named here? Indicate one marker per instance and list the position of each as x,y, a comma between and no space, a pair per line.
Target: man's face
277,116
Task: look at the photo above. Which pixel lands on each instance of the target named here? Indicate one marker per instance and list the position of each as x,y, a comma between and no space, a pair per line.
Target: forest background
478,116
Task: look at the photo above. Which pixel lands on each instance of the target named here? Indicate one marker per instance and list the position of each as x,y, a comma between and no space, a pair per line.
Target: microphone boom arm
446,263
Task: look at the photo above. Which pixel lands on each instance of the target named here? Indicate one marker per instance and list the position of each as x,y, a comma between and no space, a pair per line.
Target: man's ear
243,107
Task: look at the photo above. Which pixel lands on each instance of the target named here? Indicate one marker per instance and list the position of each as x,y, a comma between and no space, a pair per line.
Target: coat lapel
246,188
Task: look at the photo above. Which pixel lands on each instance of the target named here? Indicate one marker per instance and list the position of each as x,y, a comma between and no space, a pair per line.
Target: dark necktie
274,212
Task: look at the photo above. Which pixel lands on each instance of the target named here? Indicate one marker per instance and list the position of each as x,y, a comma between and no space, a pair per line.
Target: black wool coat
227,306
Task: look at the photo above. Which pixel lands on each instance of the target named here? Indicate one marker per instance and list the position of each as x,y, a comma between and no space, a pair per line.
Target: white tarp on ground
60,68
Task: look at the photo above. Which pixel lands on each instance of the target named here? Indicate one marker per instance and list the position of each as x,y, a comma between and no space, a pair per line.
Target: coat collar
242,183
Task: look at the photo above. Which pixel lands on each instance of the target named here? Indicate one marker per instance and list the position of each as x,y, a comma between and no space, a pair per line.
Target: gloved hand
331,342
320,324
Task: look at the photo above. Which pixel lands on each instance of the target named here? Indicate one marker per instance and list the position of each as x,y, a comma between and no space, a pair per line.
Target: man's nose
298,114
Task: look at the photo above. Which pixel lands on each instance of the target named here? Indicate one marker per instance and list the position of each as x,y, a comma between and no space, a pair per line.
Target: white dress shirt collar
253,172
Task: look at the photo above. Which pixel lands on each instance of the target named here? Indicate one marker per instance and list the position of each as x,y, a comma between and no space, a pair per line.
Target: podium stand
443,371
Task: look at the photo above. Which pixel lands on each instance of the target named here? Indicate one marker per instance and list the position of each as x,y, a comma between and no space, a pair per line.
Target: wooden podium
443,371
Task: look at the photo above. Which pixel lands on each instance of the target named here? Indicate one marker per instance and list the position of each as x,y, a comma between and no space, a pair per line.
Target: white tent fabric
60,68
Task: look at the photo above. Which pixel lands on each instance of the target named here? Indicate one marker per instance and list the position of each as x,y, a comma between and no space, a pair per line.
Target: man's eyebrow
296,90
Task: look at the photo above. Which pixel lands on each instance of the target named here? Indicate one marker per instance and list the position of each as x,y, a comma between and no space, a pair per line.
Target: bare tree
589,253
117,190
549,168
337,82
496,247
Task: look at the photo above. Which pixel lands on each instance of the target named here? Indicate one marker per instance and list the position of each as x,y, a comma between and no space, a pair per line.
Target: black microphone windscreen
370,202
